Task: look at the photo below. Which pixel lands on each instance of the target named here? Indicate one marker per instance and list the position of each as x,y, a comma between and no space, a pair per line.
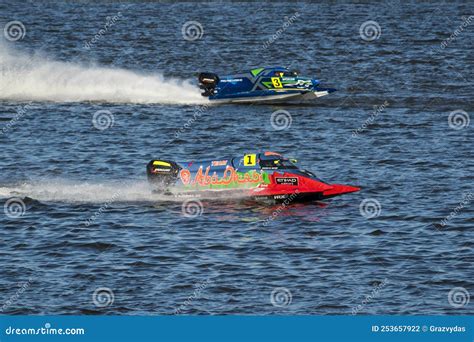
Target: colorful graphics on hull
260,84
229,179
263,175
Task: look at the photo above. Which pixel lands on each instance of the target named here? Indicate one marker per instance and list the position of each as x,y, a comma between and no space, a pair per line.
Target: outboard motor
208,82
162,173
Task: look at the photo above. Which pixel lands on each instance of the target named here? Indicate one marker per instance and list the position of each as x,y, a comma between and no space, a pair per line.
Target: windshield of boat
285,73
278,163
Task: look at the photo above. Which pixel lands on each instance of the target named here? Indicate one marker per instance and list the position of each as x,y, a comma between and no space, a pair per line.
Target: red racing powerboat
254,175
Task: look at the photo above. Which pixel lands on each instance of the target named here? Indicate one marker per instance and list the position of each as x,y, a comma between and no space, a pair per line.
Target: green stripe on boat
257,71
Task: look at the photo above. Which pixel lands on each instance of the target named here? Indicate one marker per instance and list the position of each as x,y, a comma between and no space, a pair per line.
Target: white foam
61,190
36,78
114,191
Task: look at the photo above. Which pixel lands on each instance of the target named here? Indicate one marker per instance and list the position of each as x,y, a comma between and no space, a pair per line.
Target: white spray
68,191
60,190
26,77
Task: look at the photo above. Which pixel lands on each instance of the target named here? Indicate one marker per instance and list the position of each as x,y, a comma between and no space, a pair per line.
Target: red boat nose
339,189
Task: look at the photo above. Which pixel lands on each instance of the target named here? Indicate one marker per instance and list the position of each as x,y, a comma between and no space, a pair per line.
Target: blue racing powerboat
270,84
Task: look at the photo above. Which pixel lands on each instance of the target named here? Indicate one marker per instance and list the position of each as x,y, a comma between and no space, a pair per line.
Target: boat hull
259,176
274,97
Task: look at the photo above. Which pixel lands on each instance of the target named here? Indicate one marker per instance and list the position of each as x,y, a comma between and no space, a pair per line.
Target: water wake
36,78
114,191
60,190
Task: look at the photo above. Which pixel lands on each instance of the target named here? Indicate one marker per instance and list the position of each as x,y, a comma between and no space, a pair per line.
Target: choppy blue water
92,239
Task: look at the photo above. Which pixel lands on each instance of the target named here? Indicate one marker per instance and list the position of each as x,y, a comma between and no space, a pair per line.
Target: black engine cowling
162,173
208,82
